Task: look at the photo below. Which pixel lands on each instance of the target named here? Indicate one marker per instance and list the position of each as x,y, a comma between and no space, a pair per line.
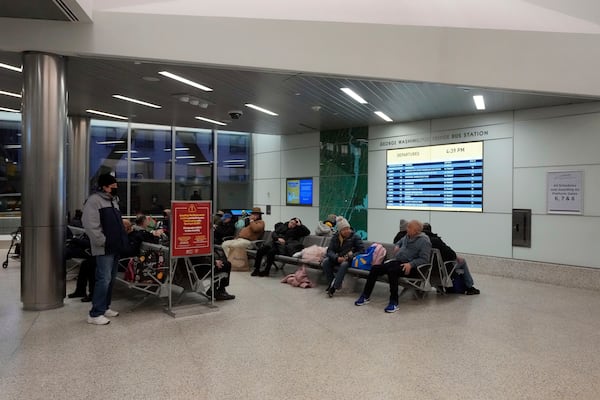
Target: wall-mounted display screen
444,178
299,191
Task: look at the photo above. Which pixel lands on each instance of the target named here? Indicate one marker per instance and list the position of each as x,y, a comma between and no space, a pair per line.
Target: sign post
191,235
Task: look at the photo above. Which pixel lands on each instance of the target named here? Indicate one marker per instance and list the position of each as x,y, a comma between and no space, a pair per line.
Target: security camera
236,114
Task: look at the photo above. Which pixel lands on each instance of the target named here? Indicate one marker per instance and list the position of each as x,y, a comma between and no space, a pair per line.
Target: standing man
103,224
340,252
413,250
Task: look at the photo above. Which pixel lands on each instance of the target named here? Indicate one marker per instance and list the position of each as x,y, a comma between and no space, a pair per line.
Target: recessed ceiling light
144,103
186,81
257,108
12,68
9,110
199,163
106,114
178,149
151,78
10,94
383,116
354,95
125,151
12,146
111,142
184,157
139,158
479,103
212,121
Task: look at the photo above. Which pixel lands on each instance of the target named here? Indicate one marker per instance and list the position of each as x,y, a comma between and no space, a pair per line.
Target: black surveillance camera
236,114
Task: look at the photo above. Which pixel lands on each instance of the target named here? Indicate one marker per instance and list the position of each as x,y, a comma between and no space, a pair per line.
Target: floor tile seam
19,346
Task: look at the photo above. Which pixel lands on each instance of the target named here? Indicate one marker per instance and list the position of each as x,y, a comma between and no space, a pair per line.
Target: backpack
373,256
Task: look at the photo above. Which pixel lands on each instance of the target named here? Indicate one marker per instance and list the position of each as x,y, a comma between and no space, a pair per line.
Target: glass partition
194,163
10,172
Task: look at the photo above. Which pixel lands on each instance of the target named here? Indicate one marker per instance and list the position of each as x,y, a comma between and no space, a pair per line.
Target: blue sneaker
392,307
361,301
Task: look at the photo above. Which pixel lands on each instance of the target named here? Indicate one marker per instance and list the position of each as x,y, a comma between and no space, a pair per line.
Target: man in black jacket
340,252
449,255
286,240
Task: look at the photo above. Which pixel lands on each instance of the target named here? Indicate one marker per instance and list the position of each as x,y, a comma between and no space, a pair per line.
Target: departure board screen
444,178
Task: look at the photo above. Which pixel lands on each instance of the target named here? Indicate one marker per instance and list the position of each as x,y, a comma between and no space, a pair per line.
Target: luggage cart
15,246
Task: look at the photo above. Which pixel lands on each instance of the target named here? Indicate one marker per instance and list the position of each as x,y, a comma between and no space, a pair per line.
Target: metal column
78,153
44,183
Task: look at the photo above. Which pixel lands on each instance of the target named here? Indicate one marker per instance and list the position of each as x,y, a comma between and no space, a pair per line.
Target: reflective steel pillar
44,184
78,159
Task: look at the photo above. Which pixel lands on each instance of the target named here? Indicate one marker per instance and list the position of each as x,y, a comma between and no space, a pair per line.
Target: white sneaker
111,313
99,320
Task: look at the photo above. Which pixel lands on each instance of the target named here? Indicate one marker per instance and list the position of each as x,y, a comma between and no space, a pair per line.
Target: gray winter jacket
103,224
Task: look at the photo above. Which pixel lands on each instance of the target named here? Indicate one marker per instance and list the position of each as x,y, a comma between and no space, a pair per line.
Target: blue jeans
339,277
106,272
467,275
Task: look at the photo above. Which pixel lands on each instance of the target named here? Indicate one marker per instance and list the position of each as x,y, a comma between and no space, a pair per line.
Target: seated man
340,252
449,255
402,232
221,265
225,228
286,240
412,250
254,230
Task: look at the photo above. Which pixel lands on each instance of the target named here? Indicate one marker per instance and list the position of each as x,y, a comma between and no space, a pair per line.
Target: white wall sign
565,192
382,141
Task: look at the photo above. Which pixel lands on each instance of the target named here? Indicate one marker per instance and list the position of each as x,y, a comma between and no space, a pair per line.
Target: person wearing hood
413,250
103,224
226,228
402,232
450,255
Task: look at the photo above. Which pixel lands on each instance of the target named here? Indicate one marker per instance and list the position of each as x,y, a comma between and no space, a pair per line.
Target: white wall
530,61
276,158
519,149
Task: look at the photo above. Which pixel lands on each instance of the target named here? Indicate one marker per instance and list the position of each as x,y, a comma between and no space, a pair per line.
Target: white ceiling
572,16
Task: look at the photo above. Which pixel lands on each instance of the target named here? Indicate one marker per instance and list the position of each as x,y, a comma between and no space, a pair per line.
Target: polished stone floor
517,340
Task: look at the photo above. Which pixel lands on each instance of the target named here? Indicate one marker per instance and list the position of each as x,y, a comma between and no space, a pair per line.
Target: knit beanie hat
342,223
106,180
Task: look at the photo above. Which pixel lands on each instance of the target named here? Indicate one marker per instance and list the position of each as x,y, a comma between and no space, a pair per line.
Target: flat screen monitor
238,212
443,178
299,191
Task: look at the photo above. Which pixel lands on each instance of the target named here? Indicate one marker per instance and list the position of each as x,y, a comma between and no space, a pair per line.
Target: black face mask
114,191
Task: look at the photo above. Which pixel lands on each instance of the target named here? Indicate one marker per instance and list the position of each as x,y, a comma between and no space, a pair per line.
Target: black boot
255,272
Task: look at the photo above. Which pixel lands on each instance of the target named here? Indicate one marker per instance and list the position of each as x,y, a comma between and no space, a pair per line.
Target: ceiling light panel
12,68
479,102
111,141
382,115
264,110
9,110
105,114
212,121
10,94
354,95
186,81
144,103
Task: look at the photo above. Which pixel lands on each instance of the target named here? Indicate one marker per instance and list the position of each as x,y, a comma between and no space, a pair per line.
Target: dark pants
267,250
87,272
393,269
224,282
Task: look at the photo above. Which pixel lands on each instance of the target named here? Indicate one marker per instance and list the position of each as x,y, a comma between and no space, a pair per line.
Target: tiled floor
517,340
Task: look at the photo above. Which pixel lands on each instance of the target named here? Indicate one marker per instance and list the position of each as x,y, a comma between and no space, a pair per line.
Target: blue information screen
299,192
447,177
